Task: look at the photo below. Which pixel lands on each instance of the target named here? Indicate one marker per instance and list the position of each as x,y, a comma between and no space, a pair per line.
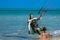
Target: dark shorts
37,30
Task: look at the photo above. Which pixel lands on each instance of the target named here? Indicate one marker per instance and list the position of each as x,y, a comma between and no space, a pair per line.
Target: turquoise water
15,23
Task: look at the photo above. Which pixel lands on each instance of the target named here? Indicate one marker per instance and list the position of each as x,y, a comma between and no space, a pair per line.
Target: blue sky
51,4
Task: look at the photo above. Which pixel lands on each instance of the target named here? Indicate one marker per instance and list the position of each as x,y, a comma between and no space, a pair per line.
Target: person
44,35
33,24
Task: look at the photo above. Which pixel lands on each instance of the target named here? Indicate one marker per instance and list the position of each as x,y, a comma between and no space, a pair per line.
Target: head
31,16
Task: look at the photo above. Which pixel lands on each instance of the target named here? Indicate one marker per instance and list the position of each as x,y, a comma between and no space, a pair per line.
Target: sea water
13,24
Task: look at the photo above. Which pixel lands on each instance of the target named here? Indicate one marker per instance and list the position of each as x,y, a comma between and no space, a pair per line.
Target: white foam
57,32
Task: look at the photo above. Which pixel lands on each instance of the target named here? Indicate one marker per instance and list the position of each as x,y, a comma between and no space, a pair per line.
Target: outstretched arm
42,14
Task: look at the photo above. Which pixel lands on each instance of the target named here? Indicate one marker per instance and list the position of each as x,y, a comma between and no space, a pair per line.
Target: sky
31,4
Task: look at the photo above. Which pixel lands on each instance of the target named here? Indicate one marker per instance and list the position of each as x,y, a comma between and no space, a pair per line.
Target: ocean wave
55,33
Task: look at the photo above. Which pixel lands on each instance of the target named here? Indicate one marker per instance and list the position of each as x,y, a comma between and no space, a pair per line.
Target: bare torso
45,36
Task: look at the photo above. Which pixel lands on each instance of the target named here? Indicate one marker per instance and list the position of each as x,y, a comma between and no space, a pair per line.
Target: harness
34,23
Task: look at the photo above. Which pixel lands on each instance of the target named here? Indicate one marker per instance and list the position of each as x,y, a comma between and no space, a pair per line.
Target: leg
33,30
38,32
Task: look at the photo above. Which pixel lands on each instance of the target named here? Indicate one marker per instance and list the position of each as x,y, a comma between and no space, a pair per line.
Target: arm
42,15
29,26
